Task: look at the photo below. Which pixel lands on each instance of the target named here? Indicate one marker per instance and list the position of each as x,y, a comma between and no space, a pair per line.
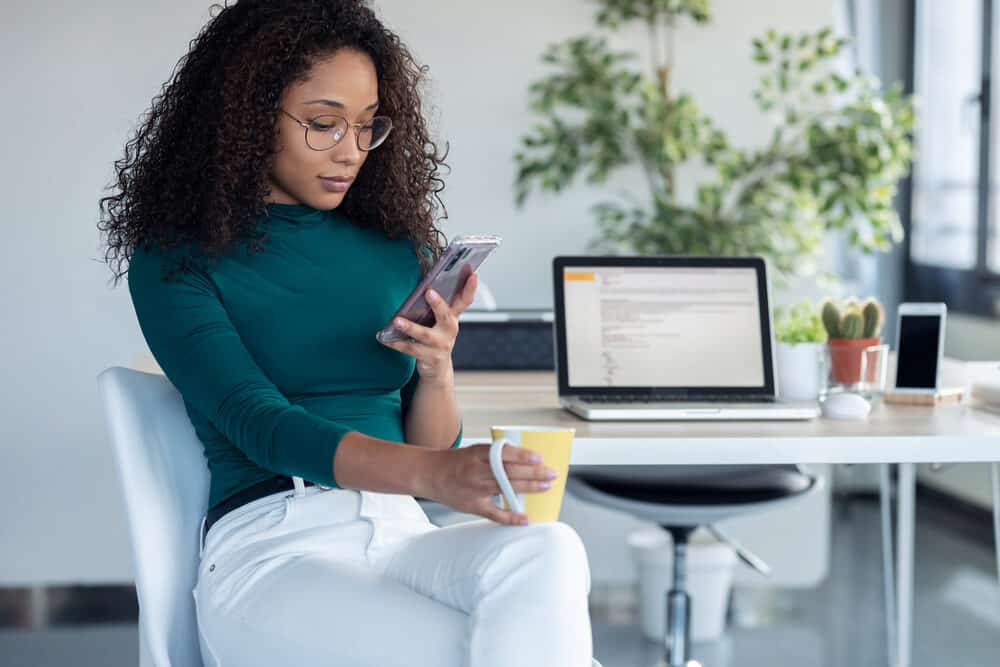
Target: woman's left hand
432,345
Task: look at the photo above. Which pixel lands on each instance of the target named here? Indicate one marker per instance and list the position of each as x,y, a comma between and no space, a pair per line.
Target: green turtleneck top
274,353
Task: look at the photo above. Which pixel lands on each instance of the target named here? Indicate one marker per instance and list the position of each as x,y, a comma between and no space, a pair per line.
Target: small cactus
873,316
852,324
831,319
855,320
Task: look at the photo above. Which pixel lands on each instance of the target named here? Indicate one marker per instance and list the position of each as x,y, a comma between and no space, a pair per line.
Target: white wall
77,77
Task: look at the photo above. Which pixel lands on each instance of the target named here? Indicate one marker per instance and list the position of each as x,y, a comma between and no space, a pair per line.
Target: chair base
678,628
678,612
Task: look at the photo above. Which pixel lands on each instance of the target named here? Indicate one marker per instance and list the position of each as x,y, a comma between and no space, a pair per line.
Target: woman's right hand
463,480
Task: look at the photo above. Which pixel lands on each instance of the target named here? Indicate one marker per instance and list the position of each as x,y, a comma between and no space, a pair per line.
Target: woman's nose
347,150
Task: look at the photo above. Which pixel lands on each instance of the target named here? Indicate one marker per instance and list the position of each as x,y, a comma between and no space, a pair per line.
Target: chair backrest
164,479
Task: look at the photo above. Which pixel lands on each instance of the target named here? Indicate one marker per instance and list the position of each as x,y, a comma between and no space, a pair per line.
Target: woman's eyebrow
339,105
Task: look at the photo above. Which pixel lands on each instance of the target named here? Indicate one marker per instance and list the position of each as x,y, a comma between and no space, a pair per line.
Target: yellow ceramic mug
554,445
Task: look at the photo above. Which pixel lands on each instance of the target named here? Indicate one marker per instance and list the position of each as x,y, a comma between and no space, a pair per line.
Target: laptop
667,338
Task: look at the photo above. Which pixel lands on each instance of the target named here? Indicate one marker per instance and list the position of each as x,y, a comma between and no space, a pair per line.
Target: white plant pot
710,567
801,373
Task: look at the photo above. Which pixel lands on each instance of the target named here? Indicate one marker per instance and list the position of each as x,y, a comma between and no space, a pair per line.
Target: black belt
240,498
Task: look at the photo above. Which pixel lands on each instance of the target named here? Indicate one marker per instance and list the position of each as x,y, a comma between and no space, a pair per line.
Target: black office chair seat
697,485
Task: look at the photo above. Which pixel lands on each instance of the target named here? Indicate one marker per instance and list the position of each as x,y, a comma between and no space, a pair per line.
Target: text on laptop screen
662,327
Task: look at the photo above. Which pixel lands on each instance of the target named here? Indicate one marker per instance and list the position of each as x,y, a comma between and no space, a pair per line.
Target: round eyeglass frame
356,126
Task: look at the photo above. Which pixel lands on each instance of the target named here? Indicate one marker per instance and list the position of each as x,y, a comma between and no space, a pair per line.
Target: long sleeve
193,339
406,398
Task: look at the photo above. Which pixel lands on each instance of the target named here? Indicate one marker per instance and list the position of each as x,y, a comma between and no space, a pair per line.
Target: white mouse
846,406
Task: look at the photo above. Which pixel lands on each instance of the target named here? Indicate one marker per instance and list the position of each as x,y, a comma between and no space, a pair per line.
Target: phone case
460,259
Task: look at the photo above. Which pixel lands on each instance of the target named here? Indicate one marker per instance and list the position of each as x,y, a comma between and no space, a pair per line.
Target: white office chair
164,478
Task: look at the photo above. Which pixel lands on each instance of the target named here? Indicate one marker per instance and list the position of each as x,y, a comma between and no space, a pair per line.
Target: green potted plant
839,145
852,327
801,345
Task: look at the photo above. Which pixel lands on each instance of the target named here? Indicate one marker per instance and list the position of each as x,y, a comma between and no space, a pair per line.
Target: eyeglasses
325,132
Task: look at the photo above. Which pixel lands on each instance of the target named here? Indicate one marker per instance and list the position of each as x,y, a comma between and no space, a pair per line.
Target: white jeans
357,579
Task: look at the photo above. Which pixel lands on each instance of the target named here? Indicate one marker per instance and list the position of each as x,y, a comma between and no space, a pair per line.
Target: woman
273,209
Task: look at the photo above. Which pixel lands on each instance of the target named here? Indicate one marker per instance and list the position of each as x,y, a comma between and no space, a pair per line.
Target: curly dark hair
196,170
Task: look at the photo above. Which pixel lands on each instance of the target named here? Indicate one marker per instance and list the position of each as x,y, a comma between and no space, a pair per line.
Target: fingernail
545,485
523,521
536,458
551,474
400,323
432,295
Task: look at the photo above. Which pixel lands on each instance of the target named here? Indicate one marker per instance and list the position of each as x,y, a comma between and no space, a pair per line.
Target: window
954,254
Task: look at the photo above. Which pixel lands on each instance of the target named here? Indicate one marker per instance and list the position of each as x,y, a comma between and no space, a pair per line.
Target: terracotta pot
845,359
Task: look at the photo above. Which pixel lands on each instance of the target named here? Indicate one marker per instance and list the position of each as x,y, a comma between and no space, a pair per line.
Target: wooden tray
943,396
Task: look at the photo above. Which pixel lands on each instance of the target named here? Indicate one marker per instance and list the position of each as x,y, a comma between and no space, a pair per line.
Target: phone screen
917,357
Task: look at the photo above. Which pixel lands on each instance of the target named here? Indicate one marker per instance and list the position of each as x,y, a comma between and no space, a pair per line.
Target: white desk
893,434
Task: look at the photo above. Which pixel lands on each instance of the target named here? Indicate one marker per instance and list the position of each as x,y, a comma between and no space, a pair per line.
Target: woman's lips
339,184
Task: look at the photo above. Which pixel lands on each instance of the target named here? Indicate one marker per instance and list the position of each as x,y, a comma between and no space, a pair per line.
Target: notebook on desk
657,338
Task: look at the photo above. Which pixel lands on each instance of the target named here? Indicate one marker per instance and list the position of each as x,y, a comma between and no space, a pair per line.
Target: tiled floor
839,624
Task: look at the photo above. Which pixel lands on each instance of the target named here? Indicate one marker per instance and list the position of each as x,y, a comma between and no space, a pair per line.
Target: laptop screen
664,327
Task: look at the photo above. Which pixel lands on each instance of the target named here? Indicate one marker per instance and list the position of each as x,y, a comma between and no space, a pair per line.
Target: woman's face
344,84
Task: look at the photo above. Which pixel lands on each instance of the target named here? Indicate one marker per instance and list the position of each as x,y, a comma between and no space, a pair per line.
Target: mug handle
514,500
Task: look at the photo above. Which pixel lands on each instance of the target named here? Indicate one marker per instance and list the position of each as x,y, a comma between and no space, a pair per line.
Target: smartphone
919,347
447,277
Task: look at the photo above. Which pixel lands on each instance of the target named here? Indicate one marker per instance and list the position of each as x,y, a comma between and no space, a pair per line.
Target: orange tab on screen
587,276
